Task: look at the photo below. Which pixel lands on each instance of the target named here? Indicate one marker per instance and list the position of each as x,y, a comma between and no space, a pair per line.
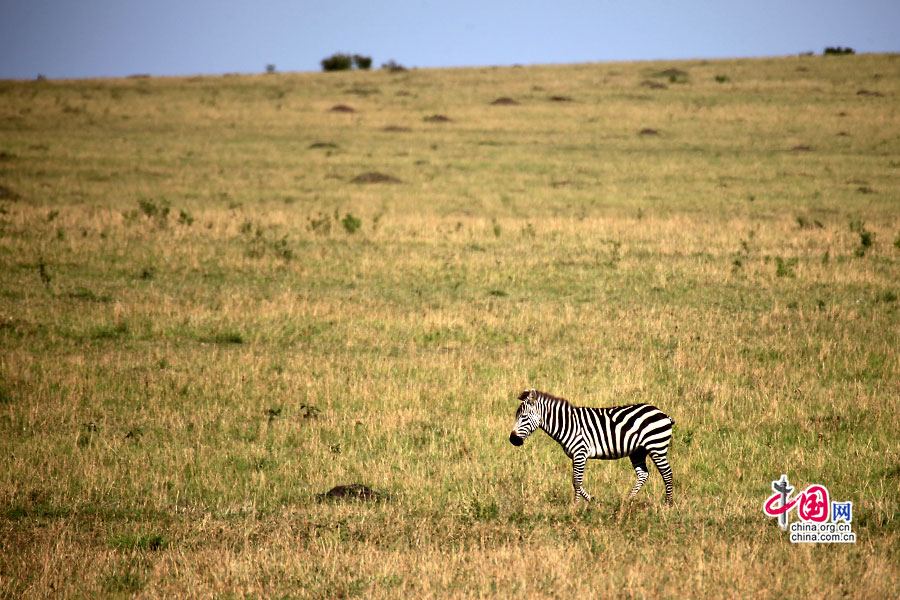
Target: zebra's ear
528,395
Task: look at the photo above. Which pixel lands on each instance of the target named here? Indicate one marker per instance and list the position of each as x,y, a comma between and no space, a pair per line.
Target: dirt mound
648,131
802,148
560,99
327,145
375,177
362,90
654,85
504,101
342,108
438,119
397,129
7,193
672,74
354,491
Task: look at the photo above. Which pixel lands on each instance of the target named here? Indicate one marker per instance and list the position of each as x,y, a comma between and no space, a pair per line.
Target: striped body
636,431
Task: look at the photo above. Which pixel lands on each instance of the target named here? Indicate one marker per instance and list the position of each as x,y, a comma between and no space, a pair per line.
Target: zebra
635,431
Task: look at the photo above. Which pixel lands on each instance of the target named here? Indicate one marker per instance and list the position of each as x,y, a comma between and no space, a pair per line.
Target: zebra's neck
557,419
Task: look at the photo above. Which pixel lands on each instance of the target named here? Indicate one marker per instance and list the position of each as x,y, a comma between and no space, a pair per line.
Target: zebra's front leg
578,462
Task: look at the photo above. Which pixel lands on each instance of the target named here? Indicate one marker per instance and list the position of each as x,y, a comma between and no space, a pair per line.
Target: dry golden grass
205,324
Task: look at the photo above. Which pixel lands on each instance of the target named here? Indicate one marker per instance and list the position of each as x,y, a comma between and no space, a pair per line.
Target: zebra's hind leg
639,461
662,463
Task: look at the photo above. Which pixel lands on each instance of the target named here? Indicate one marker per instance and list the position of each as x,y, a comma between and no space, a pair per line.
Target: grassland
205,323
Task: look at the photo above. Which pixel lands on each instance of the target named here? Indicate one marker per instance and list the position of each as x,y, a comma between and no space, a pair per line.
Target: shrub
838,50
866,237
351,223
785,268
344,62
393,66
156,212
337,62
362,62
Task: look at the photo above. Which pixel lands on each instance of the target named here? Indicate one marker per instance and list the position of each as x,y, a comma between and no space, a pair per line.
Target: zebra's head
527,418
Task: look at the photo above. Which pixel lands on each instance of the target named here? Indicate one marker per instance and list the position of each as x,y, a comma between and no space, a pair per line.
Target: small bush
151,209
838,50
344,62
866,237
393,66
721,79
157,212
785,268
337,62
351,223
362,62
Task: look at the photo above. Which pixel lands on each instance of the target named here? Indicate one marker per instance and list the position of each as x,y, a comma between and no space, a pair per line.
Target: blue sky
111,38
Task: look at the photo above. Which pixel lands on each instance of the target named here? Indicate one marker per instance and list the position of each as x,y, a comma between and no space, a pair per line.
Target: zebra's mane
546,396
559,400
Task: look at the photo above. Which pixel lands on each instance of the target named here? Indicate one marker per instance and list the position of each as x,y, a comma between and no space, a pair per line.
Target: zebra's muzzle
515,440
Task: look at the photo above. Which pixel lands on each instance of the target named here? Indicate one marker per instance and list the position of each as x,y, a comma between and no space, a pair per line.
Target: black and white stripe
636,431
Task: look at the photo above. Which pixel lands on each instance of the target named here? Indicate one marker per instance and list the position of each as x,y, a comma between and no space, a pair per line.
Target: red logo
812,504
